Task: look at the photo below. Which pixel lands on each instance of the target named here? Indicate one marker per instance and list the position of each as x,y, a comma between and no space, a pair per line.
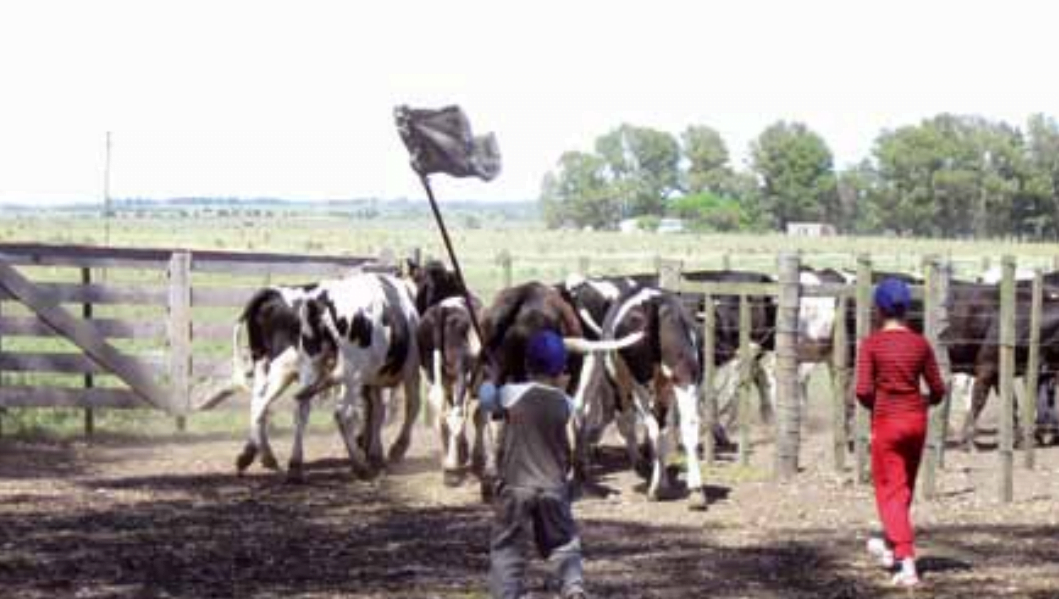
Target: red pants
896,448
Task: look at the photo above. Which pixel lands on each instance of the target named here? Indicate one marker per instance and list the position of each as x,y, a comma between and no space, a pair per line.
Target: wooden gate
95,327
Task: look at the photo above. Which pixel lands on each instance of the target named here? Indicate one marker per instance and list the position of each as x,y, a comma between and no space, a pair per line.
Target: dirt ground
167,517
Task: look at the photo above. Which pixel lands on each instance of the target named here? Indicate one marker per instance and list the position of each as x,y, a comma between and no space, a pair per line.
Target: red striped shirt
890,365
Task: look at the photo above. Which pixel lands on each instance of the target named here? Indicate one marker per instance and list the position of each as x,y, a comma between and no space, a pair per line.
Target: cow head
433,283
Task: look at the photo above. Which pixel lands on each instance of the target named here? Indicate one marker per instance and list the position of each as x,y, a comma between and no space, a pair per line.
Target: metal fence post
745,359
840,384
789,417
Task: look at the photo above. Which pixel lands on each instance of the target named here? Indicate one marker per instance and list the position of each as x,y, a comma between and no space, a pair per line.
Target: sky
294,99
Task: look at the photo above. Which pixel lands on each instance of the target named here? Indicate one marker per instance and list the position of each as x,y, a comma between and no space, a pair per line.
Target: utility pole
106,194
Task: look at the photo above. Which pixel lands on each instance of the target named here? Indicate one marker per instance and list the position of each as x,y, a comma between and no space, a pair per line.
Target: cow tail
239,365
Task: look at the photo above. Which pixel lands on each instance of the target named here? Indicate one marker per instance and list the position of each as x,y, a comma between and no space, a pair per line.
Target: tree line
948,176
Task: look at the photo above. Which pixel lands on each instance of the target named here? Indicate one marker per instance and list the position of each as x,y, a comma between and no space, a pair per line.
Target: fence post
726,261
840,383
745,359
709,398
1007,374
789,417
669,273
179,331
1029,403
89,382
862,424
505,260
3,410
936,321
584,264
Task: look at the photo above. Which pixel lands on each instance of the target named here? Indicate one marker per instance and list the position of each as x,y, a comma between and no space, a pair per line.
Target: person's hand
489,397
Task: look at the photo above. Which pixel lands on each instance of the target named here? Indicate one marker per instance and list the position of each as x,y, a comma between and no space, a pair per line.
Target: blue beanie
893,297
545,354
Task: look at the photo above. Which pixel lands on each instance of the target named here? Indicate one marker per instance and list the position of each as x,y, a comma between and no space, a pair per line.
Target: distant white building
670,225
629,225
811,230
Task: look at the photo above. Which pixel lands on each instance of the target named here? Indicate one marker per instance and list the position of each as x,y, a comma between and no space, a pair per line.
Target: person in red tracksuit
890,365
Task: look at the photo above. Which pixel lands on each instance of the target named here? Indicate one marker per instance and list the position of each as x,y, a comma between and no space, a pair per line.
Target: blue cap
545,354
892,297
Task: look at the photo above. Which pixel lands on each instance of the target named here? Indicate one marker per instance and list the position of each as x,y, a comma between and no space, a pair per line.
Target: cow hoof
295,474
397,450
269,462
246,457
487,489
697,501
451,478
463,451
643,469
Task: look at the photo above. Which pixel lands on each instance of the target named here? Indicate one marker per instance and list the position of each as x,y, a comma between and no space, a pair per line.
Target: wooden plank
709,396
89,380
129,370
728,288
158,258
745,359
96,293
60,397
212,331
862,431
179,327
211,368
309,270
66,363
788,434
223,297
1007,378
936,321
31,326
1033,360
840,382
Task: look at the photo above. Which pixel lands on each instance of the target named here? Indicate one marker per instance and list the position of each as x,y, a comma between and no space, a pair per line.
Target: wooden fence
936,300
94,327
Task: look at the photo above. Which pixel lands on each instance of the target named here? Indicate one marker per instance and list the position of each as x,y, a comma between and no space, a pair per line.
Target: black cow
433,283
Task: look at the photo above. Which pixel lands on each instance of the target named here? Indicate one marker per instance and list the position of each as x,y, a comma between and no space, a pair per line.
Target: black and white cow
657,380
592,298
270,319
359,332
433,283
449,349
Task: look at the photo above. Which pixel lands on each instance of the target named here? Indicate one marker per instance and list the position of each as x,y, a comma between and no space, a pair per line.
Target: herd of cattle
636,359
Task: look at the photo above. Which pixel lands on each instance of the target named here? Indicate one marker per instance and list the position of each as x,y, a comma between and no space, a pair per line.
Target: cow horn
584,346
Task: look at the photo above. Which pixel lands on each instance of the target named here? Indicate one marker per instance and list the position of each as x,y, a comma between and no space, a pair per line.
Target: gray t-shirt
535,451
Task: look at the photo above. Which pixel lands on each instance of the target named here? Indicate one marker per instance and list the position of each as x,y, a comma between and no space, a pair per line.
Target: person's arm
933,376
865,375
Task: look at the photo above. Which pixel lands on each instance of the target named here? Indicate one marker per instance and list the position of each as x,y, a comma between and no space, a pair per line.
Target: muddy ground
136,517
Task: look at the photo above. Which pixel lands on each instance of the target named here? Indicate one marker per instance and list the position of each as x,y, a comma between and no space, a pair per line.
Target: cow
662,368
359,332
433,283
591,298
515,315
449,349
270,318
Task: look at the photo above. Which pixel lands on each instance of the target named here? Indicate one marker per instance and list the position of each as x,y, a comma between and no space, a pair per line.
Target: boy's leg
893,486
507,564
557,540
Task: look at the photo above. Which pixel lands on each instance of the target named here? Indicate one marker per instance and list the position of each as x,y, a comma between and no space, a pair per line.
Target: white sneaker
907,576
878,549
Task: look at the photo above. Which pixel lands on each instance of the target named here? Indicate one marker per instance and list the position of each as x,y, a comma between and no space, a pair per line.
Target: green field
536,253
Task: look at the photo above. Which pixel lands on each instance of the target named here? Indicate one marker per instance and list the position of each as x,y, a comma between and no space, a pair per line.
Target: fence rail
190,298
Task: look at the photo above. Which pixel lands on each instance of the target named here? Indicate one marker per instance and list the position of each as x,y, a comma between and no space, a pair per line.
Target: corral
154,513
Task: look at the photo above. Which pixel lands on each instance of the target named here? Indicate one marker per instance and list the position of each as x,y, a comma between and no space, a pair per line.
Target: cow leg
350,417
302,409
373,429
688,412
492,441
411,411
453,439
984,381
626,420
765,381
269,383
657,438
